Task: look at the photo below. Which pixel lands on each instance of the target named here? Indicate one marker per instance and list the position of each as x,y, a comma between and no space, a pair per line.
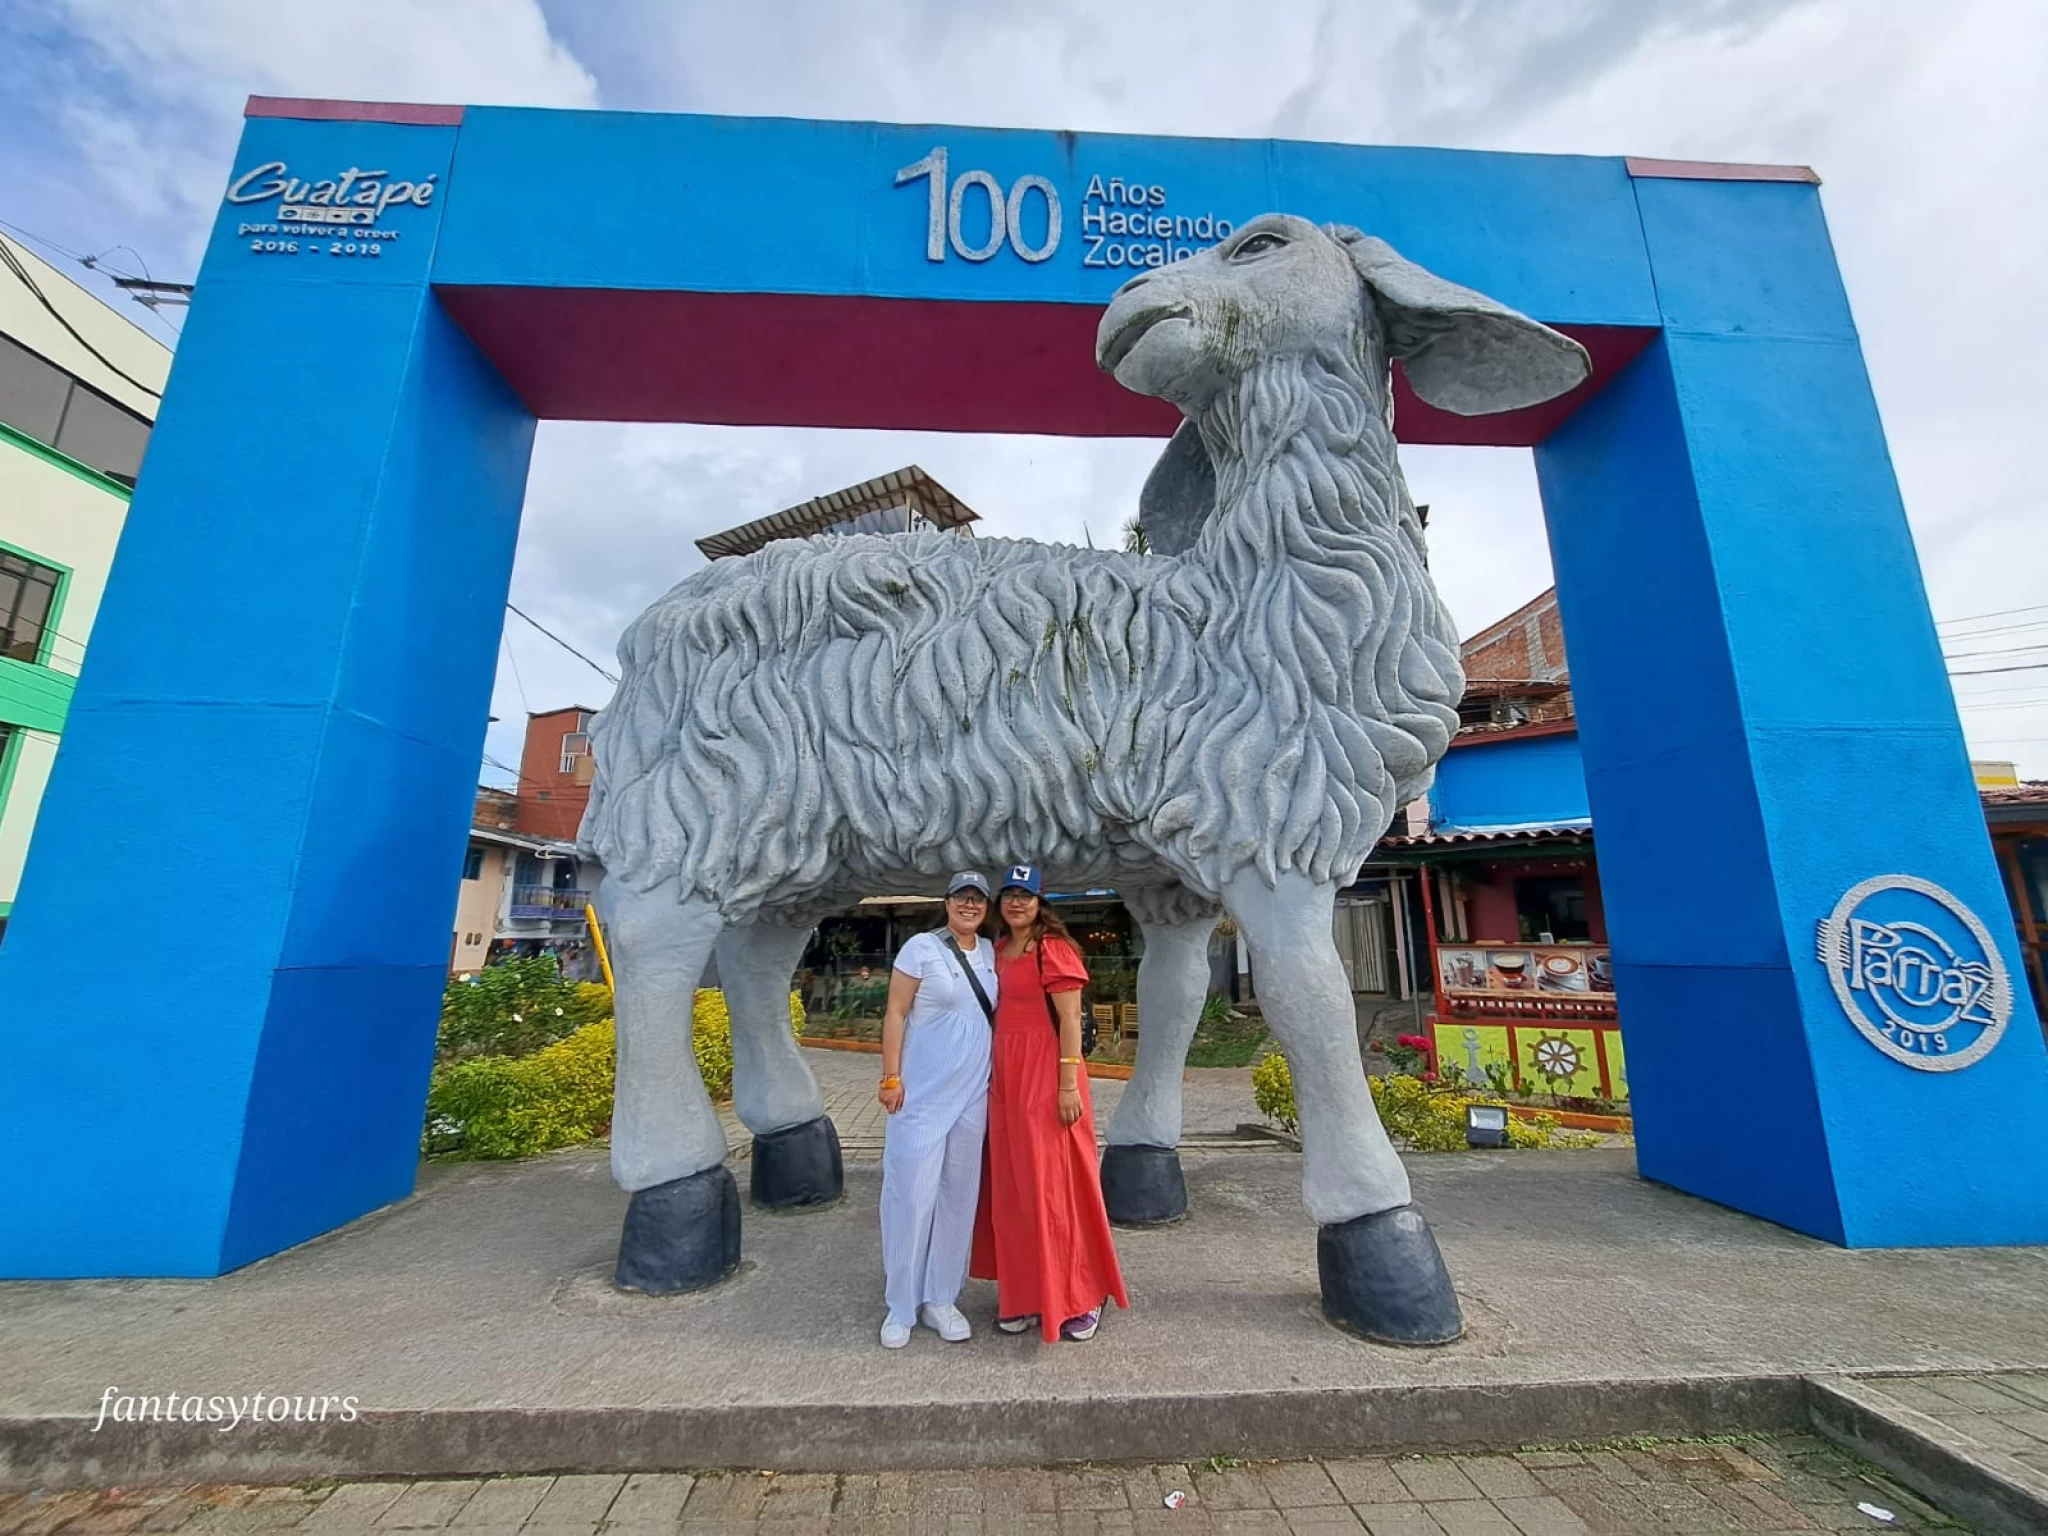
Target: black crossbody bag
988,1009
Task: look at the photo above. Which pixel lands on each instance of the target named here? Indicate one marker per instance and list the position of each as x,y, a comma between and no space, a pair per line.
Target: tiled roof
2033,792
907,487
1563,832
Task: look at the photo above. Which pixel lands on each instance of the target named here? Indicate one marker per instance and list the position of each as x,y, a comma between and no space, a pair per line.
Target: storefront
2018,817
1518,960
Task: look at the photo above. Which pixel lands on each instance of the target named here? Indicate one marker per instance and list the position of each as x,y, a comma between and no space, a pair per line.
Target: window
98,432
28,592
32,392
574,745
1552,904
42,400
473,863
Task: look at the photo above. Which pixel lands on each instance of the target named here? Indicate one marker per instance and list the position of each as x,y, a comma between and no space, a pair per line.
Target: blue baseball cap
969,880
1024,877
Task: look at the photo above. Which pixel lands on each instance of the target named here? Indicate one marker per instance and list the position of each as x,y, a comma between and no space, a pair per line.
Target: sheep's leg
682,1230
796,1147
1142,1183
1382,1275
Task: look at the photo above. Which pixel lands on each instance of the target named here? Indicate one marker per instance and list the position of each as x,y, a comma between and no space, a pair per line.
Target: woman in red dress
1042,1233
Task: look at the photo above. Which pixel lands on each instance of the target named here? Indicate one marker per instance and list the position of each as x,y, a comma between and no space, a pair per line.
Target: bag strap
988,1009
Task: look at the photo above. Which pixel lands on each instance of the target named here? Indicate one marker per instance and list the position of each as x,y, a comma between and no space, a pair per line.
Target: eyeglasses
1017,896
969,898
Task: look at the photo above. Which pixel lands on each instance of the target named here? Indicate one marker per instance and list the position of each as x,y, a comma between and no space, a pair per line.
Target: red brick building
555,770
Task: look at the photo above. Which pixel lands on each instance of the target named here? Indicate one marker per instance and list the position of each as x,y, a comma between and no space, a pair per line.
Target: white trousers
931,1183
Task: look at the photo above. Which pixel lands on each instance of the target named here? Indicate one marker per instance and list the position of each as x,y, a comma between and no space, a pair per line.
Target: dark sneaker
1082,1328
1017,1324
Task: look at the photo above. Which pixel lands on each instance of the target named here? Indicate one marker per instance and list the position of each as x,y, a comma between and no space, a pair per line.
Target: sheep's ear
1180,494
1460,350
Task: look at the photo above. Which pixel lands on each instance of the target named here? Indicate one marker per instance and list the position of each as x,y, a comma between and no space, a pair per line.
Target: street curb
1991,1491
65,1451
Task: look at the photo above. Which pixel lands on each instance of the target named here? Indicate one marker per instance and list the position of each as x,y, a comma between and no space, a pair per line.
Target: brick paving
1672,1488
2002,1411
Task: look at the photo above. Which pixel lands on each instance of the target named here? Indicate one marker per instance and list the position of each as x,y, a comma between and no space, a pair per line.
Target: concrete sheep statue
1228,725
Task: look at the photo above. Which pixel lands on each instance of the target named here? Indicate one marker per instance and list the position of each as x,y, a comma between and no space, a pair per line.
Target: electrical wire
13,264
1998,613
610,677
2030,666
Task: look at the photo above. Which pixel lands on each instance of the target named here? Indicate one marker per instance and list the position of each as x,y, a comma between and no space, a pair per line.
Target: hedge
496,1106
1429,1117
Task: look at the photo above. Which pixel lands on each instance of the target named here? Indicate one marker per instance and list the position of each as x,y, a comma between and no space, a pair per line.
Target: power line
506,640
2000,650
1999,613
2030,666
610,677
13,264
1994,629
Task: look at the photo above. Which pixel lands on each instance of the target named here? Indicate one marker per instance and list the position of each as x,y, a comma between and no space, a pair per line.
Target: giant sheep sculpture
1228,726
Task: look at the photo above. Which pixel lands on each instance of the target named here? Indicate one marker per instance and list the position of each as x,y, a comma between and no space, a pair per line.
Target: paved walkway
2002,1412
1217,1101
1791,1483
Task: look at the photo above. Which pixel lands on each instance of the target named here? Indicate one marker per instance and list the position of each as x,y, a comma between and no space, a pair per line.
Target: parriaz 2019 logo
1917,973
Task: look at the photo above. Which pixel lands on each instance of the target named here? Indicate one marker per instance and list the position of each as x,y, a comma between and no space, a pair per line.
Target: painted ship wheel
1555,1057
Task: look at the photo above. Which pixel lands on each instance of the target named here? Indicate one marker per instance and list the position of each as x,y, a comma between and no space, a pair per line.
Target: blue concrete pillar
219,990
1766,723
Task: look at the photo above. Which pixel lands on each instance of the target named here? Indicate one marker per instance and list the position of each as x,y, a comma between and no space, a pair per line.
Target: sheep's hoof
1142,1186
1384,1279
681,1236
798,1166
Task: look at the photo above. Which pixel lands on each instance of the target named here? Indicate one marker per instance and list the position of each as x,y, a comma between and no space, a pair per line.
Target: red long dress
1041,1233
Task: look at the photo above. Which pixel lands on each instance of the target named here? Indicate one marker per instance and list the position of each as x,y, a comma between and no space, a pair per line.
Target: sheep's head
1282,287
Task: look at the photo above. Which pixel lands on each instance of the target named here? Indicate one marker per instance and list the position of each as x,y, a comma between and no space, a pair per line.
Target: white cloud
153,94
1926,129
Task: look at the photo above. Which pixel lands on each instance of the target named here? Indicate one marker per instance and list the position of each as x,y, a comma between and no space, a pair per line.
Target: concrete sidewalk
476,1326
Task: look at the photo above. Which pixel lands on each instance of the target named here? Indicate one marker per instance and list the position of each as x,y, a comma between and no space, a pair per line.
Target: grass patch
1232,1041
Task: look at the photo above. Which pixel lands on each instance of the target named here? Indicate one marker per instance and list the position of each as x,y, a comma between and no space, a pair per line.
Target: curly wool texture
840,715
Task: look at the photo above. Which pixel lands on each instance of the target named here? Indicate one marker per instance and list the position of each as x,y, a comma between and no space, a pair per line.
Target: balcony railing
547,901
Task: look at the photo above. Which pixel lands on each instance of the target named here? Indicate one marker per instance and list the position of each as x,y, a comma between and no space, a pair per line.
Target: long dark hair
1046,922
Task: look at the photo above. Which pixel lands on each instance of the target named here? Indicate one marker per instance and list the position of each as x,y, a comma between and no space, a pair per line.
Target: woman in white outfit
935,1064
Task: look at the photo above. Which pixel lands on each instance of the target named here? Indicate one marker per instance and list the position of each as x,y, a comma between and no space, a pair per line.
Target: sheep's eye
1258,245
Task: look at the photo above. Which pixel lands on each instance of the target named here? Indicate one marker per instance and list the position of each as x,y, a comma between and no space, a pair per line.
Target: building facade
78,394
523,889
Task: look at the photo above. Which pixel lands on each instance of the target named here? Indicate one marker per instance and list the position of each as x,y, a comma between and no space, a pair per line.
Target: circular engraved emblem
1917,973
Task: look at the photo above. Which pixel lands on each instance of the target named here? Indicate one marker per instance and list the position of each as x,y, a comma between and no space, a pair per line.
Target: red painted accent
412,114
1518,733
812,360
1600,1051
1716,170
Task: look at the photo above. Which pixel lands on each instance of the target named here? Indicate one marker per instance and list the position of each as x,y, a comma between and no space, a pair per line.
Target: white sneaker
946,1322
894,1334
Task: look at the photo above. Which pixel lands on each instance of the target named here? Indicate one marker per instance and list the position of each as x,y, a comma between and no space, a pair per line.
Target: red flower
1377,1046
1418,1042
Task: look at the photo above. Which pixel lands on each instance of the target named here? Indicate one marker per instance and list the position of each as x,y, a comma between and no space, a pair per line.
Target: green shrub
1427,1116
495,1106
1273,1092
515,1008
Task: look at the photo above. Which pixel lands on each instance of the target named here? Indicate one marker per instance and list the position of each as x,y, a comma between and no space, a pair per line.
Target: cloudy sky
1926,125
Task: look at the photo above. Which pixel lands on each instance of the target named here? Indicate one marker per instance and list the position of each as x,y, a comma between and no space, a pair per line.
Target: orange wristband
892,1082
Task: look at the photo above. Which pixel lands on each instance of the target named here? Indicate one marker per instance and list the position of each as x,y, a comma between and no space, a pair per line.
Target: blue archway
287,688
